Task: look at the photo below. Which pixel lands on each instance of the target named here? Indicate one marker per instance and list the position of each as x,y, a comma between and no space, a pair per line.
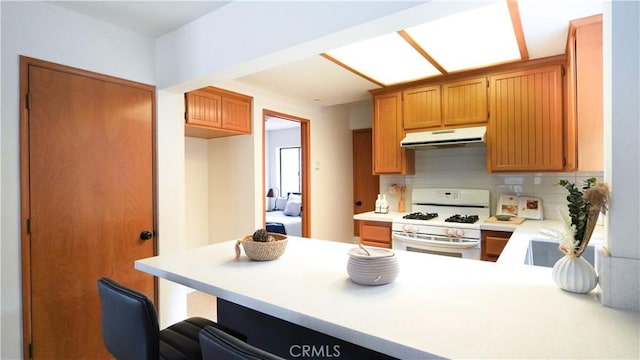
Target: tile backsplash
465,167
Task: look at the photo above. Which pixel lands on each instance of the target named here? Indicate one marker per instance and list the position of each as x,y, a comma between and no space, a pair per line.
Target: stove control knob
457,233
409,228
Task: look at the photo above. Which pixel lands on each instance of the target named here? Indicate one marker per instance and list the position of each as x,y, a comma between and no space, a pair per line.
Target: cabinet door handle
358,203
146,235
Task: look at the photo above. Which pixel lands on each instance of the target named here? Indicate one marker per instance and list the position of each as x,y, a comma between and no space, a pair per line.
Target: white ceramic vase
575,274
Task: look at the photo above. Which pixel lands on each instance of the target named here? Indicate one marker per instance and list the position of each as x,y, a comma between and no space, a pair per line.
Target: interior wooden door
365,185
87,168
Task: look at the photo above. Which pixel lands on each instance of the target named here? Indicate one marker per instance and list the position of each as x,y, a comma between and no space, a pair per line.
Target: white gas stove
443,222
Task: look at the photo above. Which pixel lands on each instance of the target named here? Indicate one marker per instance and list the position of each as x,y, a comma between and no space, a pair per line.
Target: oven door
437,245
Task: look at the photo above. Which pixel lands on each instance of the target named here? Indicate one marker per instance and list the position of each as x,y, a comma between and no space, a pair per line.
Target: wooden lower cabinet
493,242
375,233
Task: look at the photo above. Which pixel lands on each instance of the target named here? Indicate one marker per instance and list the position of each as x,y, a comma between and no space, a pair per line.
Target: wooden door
366,185
421,107
88,194
525,125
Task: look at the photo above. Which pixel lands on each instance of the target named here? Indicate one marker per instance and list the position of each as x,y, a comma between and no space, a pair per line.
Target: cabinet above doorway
212,112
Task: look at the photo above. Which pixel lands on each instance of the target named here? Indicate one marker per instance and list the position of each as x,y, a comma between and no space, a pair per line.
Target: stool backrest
129,322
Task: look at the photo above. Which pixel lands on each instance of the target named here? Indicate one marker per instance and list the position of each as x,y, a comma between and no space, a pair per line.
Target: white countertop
448,307
373,216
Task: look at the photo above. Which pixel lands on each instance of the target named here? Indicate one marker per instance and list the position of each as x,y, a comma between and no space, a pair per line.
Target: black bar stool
130,327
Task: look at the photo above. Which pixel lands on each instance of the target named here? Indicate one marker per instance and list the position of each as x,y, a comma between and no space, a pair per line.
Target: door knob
358,203
146,235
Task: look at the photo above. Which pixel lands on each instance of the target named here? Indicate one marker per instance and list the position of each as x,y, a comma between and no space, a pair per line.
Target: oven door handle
445,244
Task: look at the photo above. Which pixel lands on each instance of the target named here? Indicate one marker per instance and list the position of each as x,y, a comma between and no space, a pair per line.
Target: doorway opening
285,173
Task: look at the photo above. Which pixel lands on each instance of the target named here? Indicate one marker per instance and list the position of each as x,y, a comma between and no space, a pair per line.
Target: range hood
459,136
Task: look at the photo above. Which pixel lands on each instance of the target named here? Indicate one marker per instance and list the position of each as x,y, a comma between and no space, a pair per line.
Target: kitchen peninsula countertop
437,307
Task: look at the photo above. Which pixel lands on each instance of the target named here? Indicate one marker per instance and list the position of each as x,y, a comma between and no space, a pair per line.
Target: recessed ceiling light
472,39
388,59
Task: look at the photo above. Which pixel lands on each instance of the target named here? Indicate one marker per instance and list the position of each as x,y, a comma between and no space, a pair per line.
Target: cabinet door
493,242
203,108
525,124
388,156
375,233
421,107
589,96
465,102
236,114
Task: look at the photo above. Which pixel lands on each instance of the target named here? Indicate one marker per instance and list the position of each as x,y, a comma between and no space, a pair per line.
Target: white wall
41,30
232,192
332,177
361,115
196,180
171,199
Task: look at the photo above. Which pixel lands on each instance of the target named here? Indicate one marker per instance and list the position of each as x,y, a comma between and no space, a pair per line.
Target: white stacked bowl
378,268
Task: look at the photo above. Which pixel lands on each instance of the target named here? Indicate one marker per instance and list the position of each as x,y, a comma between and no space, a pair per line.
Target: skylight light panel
472,39
387,59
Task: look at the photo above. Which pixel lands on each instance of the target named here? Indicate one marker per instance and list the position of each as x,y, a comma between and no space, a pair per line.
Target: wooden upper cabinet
236,114
446,104
203,108
584,146
465,102
525,130
388,156
421,107
212,112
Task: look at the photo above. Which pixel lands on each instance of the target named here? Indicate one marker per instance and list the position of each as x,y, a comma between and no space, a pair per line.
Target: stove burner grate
467,219
420,216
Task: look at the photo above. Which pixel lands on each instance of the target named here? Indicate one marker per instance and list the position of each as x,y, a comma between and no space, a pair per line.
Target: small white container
378,204
378,268
384,204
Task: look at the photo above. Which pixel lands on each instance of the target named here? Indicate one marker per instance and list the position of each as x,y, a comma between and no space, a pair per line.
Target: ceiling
544,24
152,18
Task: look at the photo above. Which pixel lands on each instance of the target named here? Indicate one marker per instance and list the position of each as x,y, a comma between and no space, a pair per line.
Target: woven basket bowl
263,251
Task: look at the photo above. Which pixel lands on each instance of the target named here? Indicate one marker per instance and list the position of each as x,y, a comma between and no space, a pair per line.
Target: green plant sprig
578,208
